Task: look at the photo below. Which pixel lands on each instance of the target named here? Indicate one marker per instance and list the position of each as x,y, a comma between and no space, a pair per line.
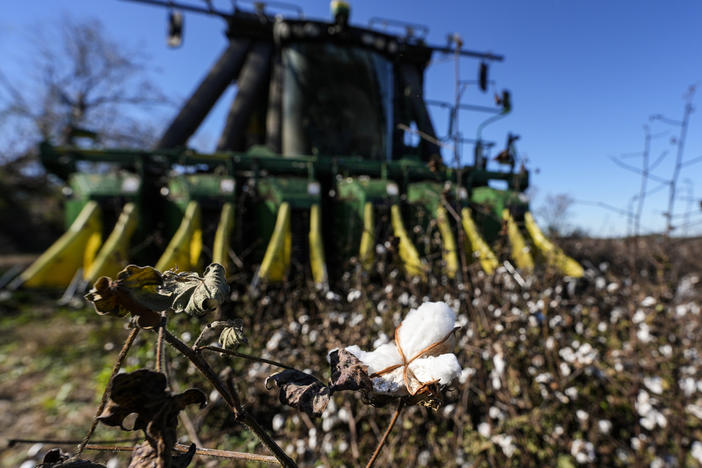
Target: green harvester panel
209,189
352,195
120,188
300,193
489,204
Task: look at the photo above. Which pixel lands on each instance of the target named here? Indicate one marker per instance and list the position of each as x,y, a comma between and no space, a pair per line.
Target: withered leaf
144,392
348,372
301,391
233,335
197,295
145,455
55,458
135,291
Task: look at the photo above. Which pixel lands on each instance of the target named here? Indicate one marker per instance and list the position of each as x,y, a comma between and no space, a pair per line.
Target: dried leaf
301,391
135,291
144,392
145,456
233,335
55,458
195,295
348,372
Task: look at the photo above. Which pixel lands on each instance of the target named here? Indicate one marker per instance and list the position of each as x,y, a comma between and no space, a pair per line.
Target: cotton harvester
312,168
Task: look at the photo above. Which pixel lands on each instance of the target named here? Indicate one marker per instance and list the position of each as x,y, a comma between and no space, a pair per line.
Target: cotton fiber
431,323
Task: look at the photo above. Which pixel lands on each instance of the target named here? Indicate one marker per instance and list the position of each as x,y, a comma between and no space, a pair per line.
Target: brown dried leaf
301,391
135,291
348,372
145,456
144,392
55,458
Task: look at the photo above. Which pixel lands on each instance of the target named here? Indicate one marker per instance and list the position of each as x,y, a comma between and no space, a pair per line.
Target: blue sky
585,76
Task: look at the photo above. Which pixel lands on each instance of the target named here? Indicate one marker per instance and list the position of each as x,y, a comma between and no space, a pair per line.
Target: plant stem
199,451
103,402
387,433
231,399
159,342
248,356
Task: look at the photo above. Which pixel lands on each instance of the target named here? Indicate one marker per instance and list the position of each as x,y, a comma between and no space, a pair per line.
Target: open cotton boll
428,324
443,368
383,357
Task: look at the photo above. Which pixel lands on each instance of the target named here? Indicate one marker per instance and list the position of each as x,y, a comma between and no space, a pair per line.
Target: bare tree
80,80
77,79
556,212
679,163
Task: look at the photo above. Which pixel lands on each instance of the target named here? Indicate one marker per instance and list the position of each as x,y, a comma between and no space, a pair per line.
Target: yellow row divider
113,255
367,251
408,252
276,260
448,242
486,257
521,253
76,248
183,252
220,250
553,254
317,262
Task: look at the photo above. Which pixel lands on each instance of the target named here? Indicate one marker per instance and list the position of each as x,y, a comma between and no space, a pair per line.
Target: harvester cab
313,167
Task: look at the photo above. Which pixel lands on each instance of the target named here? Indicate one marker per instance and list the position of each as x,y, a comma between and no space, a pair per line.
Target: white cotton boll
636,443
660,419
648,422
695,410
666,350
278,422
543,378
639,316
643,334
696,451
484,429
648,301
382,358
499,363
604,425
466,374
343,446
430,323
584,452
495,413
443,368
505,443
655,384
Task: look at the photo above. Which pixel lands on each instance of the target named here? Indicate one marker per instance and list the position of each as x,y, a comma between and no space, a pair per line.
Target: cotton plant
411,369
416,363
419,355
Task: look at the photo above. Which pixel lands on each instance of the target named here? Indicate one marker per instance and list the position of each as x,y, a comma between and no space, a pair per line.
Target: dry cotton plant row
412,370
